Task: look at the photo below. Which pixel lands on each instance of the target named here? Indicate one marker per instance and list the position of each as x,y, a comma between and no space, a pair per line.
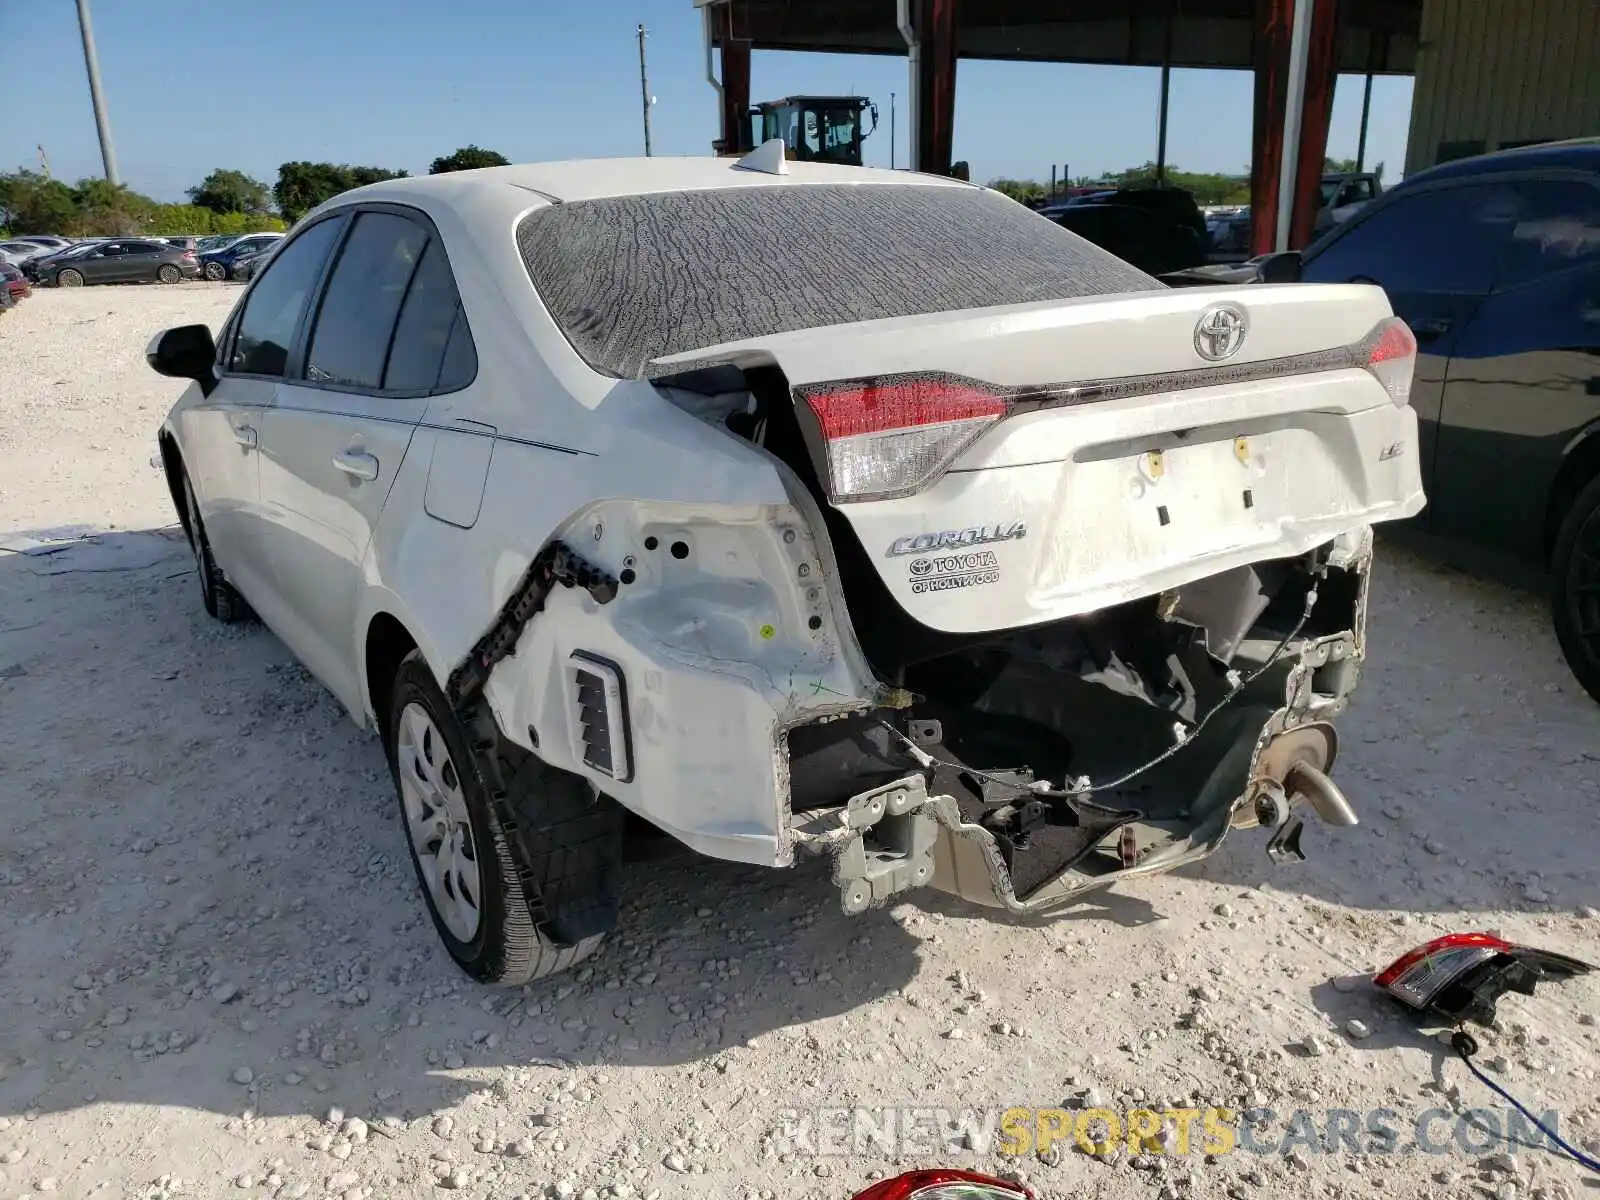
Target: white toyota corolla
794,509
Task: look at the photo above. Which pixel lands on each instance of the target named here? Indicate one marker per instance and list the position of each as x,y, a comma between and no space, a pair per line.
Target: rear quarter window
634,278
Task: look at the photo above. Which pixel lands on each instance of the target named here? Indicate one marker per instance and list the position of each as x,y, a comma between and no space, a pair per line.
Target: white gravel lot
217,977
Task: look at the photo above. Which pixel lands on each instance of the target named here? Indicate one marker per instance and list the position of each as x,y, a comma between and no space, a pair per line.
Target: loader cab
817,128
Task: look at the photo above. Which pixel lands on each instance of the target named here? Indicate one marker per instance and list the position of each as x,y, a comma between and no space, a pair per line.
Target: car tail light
892,436
1417,976
945,1184
1393,358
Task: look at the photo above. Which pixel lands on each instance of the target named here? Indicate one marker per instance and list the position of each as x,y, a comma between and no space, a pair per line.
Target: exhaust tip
1327,801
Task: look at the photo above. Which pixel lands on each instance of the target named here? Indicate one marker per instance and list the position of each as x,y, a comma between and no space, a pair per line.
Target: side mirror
1283,267
185,352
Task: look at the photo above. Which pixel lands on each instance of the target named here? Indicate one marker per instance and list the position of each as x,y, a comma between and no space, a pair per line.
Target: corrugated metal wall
1501,71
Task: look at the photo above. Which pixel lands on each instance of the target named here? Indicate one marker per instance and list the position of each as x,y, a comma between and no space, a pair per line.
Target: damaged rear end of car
1067,579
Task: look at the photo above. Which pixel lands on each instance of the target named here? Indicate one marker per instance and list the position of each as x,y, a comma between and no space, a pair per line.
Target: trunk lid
1007,466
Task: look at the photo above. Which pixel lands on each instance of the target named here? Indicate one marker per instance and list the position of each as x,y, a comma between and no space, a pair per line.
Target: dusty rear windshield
635,278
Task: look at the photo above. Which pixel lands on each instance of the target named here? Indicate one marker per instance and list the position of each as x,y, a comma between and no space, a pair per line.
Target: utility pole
891,131
1366,110
644,85
108,153
44,162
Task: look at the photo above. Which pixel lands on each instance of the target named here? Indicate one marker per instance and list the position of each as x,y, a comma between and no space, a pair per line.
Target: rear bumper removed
1258,766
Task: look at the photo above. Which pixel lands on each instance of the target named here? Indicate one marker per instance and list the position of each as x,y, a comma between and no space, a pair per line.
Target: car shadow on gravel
209,902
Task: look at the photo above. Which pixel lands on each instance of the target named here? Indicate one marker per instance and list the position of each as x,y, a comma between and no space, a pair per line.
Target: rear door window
355,323
1557,229
423,333
278,299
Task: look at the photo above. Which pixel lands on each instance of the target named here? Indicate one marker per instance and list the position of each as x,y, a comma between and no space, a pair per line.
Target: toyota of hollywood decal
976,569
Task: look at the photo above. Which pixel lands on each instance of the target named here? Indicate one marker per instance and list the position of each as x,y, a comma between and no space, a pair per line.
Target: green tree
1024,191
301,186
225,191
468,158
31,203
104,207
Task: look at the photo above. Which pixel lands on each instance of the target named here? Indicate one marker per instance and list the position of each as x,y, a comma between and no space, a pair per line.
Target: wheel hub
438,824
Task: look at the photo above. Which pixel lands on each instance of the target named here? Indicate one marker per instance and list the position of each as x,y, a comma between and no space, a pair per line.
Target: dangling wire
1183,735
1464,1044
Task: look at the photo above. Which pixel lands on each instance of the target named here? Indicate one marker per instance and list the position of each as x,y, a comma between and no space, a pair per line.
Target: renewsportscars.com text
1017,1132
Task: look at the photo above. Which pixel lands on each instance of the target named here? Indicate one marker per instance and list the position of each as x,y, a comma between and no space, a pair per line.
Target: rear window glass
634,278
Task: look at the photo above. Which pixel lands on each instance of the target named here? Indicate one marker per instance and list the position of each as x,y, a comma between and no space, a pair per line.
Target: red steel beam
1271,54
935,25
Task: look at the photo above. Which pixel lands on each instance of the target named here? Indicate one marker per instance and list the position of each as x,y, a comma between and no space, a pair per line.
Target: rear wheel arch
1578,469
388,641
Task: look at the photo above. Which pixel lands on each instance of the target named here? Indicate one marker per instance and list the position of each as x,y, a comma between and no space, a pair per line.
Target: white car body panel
746,635
318,521
1321,453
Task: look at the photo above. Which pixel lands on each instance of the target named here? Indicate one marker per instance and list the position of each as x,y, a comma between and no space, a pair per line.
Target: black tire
1575,588
220,598
69,278
167,273
568,836
215,272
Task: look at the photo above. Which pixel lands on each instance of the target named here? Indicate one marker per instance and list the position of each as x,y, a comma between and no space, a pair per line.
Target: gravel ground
218,978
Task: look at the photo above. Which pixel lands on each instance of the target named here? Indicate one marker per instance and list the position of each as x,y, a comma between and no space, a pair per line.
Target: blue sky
197,84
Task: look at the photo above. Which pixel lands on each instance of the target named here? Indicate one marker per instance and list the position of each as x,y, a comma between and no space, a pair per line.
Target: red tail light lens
949,1184
1393,358
1418,975
893,436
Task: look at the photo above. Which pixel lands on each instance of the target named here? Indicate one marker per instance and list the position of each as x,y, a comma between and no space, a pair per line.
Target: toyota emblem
1220,332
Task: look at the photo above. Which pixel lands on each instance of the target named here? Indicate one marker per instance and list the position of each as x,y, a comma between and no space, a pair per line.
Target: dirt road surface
217,976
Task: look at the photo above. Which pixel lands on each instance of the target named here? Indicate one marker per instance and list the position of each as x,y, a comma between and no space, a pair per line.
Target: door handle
1429,328
356,464
245,435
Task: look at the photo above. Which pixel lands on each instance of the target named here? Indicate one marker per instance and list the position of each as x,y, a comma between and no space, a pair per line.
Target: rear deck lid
1009,466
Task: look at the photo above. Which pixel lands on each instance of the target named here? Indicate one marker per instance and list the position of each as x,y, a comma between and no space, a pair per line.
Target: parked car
131,260
18,252
1342,196
1230,230
31,267
244,269
1140,236
48,240
219,263
819,518
1494,262
15,284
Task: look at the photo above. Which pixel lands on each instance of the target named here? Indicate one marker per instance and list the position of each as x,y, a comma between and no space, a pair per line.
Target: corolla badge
950,539
1220,331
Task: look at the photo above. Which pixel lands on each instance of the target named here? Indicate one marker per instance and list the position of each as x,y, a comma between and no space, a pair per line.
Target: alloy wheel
438,824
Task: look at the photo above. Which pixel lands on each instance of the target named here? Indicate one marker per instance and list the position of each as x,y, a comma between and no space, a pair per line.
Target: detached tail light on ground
943,1184
894,435
1461,975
